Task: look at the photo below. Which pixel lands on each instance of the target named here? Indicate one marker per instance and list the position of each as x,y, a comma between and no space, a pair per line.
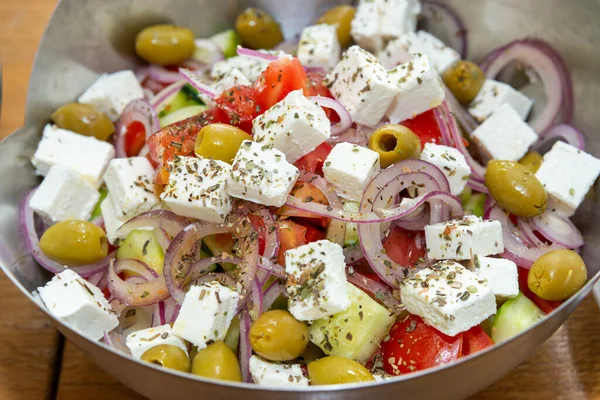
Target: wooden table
36,363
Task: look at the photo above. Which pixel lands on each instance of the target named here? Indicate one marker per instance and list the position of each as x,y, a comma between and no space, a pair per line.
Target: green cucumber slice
228,42
181,114
515,316
142,245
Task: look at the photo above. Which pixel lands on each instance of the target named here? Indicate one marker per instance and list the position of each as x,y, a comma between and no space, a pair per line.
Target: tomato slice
425,127
308,193
281,77
546,306
474,340
291,235
313,161
313,234
401,246
315,86
259,225
239,103
135,138
413,345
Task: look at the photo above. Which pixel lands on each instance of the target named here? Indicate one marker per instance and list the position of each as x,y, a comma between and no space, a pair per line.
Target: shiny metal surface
86,37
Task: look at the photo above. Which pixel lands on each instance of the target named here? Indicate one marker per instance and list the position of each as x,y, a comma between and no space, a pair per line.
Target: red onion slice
162,75
352,135
271,234
220,277
195,80
256,306
166,93
380,291
271,294
477,186
158,314
245,347
136,111
205,265
272,268
463,117
136,294
345,117
526,230
445,23
566,132
321,183
353,254
242,51
558,230
417,223
161,220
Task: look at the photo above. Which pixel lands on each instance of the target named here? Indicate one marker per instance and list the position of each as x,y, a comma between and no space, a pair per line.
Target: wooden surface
34,364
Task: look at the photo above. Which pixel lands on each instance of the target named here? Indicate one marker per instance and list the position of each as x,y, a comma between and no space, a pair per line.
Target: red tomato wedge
402,247
239,103
135,138
259,225
315,86
413,346
425,127
308,193
313,161
291,235
546,306
281,77
474,340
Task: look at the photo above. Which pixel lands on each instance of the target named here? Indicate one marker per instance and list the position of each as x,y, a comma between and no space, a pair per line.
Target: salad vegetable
374,206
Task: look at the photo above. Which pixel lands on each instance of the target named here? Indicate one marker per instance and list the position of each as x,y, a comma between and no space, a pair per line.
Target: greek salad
353,204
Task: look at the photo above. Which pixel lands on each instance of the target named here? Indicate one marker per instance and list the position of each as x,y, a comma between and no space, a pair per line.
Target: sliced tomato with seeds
281,77
259,225
308,193
474,340
135,138
313,161
239,103
425,126
405,247
291,235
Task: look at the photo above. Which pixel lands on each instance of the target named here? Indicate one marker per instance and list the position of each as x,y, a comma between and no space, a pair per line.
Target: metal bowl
87,37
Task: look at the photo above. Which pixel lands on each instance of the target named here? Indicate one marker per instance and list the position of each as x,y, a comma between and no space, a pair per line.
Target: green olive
464,79
532,161
515,189
557,275
278,336
342,17
258,29
74,243
219,142
165,44
84,119
395,143
217,361
168,356
335,370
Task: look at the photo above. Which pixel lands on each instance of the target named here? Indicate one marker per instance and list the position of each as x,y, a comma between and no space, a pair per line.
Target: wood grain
565,367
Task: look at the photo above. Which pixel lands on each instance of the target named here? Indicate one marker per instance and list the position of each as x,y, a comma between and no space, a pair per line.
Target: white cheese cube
463,238
349,168
421,89
319,46
448,297
265,373
79,304
197,188
251,68
364,27
362,85
504,135
295,126
85,155
451,162
111,93
130,186
493,94
501,275
261,174
112,221
316,280
206,313
233,77
143,340
404,48
64,195
567,173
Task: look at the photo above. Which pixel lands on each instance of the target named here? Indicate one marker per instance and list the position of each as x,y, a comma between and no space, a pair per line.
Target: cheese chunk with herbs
261,174
112,221
294,126
451,162
567,173
500,274
493,94
448,297
316,280
319,46
349,168
463,238
197,188
270,374
362,85
420,86
143,340
250,67
233,77
79,304
206,313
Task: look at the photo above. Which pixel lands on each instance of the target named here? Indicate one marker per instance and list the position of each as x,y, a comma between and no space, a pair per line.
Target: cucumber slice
351,238
142,245
219,244
232,338
475,204
187,96
97,213
180,115
515,316
356,332
228,42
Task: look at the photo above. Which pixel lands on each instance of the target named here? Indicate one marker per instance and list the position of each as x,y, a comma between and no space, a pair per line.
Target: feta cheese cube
451,162
493,94
404,48
501,275
130,185
349,168
377,21
448,297
85,155
112,221
319,46
111,93
463,238
251,68
197,188
421,89
567,173
261,174
295,126
265,373
206,313
362,85
143,340
316,280
79,304
233,77
504,135
64,195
